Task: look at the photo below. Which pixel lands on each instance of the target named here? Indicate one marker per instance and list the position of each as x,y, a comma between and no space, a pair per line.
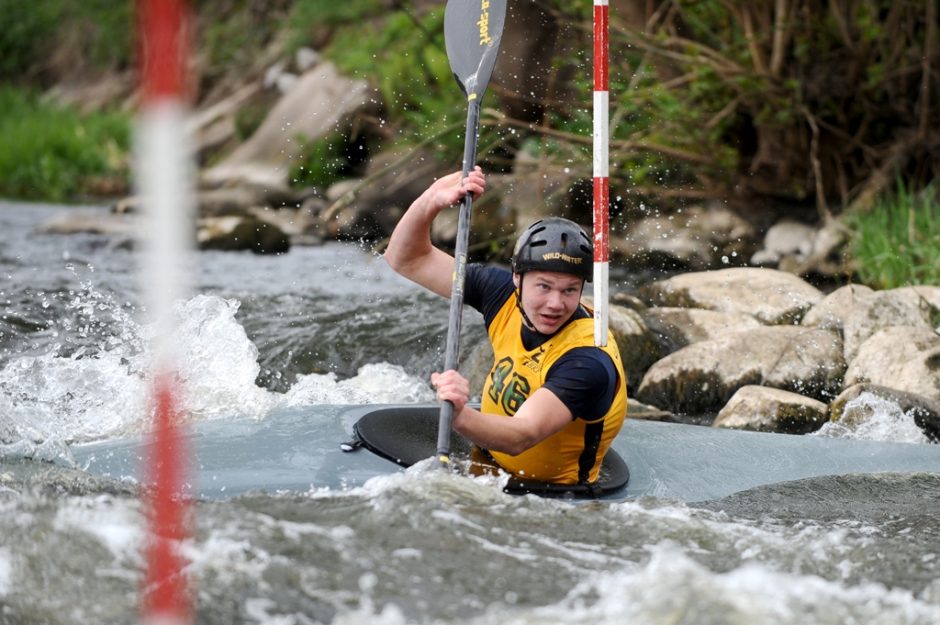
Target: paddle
472,32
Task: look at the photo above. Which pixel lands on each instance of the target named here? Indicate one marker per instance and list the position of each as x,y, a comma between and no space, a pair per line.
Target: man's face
549,298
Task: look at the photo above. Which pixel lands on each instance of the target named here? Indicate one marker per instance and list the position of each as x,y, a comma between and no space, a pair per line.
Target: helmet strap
525,317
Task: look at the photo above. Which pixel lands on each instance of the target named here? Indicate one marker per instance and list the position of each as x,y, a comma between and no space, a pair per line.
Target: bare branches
821,205
619,145
930,38
781,38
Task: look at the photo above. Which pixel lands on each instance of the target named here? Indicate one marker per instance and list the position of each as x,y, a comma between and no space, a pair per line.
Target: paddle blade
472,32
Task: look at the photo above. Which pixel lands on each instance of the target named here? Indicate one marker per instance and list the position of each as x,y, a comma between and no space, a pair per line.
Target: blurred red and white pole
164,175
601,184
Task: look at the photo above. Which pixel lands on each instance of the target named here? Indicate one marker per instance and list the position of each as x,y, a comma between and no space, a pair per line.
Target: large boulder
234,233
772,297
766,409
638,346
914,306
320,103
836,307
676,328
906,358
90,222
370,207
702,377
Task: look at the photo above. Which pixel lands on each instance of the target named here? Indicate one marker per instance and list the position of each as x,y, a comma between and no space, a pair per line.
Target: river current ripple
332,325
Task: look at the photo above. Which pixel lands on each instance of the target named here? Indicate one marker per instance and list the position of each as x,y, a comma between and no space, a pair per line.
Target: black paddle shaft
452,352
472,32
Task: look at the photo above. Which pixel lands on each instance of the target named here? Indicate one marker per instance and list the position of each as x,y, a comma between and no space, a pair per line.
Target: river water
332,325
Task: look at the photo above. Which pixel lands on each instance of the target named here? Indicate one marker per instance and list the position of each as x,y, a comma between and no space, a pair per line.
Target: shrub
52,153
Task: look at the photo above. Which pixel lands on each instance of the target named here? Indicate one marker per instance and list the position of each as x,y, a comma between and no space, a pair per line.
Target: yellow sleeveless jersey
575,453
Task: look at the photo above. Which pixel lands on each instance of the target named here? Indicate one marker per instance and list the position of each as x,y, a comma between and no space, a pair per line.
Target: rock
638,346
271,74
241,233
319,104
371,207
488,219
306,58
825,258
534,190
702,377
214,126
229,201
660,242
917,306
767,409
639,410
770,296
836,307
906,358
676,328
926,411
695,239
286,81
628,301
77,221
785,238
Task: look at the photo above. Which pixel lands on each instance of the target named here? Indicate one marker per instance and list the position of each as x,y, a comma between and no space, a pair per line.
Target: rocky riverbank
761,349
753,348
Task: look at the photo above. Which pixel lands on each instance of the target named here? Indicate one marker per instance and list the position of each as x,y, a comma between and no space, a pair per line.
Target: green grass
53,153
98,32
897,242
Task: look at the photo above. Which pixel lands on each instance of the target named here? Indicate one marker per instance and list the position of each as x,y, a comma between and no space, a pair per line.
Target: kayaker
567,398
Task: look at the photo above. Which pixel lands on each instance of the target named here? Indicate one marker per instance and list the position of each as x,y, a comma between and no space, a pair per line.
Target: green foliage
325,162
233,32
403,56
26,26
249,118
897,242
408,62
52,153
332,12
99,31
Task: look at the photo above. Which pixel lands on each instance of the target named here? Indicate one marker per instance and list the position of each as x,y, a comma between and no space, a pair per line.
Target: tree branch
781,36
821,206
929,39
757,56
640,146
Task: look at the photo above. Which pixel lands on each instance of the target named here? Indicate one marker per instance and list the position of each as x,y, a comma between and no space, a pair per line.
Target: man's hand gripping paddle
472,33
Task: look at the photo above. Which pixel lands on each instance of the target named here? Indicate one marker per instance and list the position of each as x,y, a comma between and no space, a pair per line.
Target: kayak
297,450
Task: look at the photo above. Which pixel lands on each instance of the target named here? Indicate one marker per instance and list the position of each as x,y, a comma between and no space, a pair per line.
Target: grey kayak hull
299,449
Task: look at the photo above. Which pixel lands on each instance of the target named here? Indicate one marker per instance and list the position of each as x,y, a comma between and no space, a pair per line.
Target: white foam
6,572
115,523
102,392
869,417
671,587
376,383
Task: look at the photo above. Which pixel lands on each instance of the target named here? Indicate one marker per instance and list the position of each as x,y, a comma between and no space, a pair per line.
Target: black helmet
554,244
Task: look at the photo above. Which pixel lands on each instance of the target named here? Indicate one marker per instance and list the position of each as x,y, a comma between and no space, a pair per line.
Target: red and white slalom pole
601,183
163,175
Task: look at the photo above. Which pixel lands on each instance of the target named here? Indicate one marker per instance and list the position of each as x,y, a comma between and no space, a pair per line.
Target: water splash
93,382
870,417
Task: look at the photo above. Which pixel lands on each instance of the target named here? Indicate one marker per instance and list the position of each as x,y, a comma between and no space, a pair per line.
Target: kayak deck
299,449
